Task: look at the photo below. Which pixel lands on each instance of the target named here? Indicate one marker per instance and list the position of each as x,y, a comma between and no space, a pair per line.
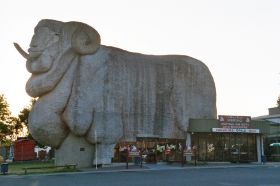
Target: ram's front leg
78,114
45,122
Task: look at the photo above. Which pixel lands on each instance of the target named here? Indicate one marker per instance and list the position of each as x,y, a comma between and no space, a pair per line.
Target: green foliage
278,101
6,122
4,109
24,113
23,120
23,116
11,127
44,167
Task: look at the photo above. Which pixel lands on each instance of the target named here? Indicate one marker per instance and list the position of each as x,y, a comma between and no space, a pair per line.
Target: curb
146,168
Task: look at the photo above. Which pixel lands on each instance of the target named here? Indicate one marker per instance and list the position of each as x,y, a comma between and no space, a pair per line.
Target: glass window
235,147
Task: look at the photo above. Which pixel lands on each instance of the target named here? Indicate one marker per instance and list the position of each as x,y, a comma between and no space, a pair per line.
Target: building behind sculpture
229,138
272,140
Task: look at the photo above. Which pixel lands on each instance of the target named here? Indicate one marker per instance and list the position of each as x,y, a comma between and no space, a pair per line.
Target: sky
237,39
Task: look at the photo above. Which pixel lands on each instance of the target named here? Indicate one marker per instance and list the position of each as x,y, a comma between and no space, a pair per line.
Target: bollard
4,168
263,159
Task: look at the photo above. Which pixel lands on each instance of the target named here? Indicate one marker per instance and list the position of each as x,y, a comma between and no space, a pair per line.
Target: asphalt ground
115,167
160,174
122,167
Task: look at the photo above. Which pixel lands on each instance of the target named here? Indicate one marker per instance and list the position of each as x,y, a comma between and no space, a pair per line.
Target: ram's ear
85,40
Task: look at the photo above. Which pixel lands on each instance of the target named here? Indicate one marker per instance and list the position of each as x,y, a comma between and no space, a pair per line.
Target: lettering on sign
234,122
133,153
187,152
255,131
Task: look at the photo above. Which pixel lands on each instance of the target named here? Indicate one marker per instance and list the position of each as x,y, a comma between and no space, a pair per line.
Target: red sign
167,151
234,122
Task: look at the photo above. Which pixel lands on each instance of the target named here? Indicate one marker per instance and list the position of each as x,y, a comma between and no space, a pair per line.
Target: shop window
235,147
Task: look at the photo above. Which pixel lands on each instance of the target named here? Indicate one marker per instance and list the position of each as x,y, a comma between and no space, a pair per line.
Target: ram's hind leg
103,154
105,132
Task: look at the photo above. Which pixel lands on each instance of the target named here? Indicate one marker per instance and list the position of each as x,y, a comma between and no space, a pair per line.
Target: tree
278,101
11,127
6,122
23,117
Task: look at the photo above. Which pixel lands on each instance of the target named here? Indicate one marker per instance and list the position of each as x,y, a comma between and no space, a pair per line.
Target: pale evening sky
237,39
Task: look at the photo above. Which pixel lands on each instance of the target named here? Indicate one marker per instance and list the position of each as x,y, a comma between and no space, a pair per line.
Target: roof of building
268,118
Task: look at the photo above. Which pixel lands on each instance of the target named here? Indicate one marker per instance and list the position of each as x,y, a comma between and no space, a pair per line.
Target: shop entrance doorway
239,148
232,147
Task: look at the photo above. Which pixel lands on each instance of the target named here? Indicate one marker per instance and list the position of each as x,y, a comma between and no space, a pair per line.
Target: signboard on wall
134,153
234,122
234,130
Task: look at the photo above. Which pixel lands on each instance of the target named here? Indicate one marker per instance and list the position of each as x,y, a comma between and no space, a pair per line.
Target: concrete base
75,150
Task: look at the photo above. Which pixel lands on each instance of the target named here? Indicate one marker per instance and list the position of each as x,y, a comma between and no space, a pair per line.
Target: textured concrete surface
74,150
105,94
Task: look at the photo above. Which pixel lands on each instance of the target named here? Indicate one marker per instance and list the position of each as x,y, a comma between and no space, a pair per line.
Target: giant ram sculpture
91,95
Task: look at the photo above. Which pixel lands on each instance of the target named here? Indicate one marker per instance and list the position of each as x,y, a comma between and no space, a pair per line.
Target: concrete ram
95,96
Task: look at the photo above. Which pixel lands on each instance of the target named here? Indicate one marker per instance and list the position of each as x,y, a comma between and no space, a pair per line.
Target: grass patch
44,167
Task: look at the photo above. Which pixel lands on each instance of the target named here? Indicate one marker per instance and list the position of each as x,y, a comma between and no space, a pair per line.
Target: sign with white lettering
235,130
188,152
133,153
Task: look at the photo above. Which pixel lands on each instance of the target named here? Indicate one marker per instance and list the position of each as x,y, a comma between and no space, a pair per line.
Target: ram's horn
21,51
85,40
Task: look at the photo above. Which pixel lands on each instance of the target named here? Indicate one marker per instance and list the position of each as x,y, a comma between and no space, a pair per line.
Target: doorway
233,147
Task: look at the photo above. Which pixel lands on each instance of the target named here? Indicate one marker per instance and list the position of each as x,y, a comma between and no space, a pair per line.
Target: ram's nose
21,51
